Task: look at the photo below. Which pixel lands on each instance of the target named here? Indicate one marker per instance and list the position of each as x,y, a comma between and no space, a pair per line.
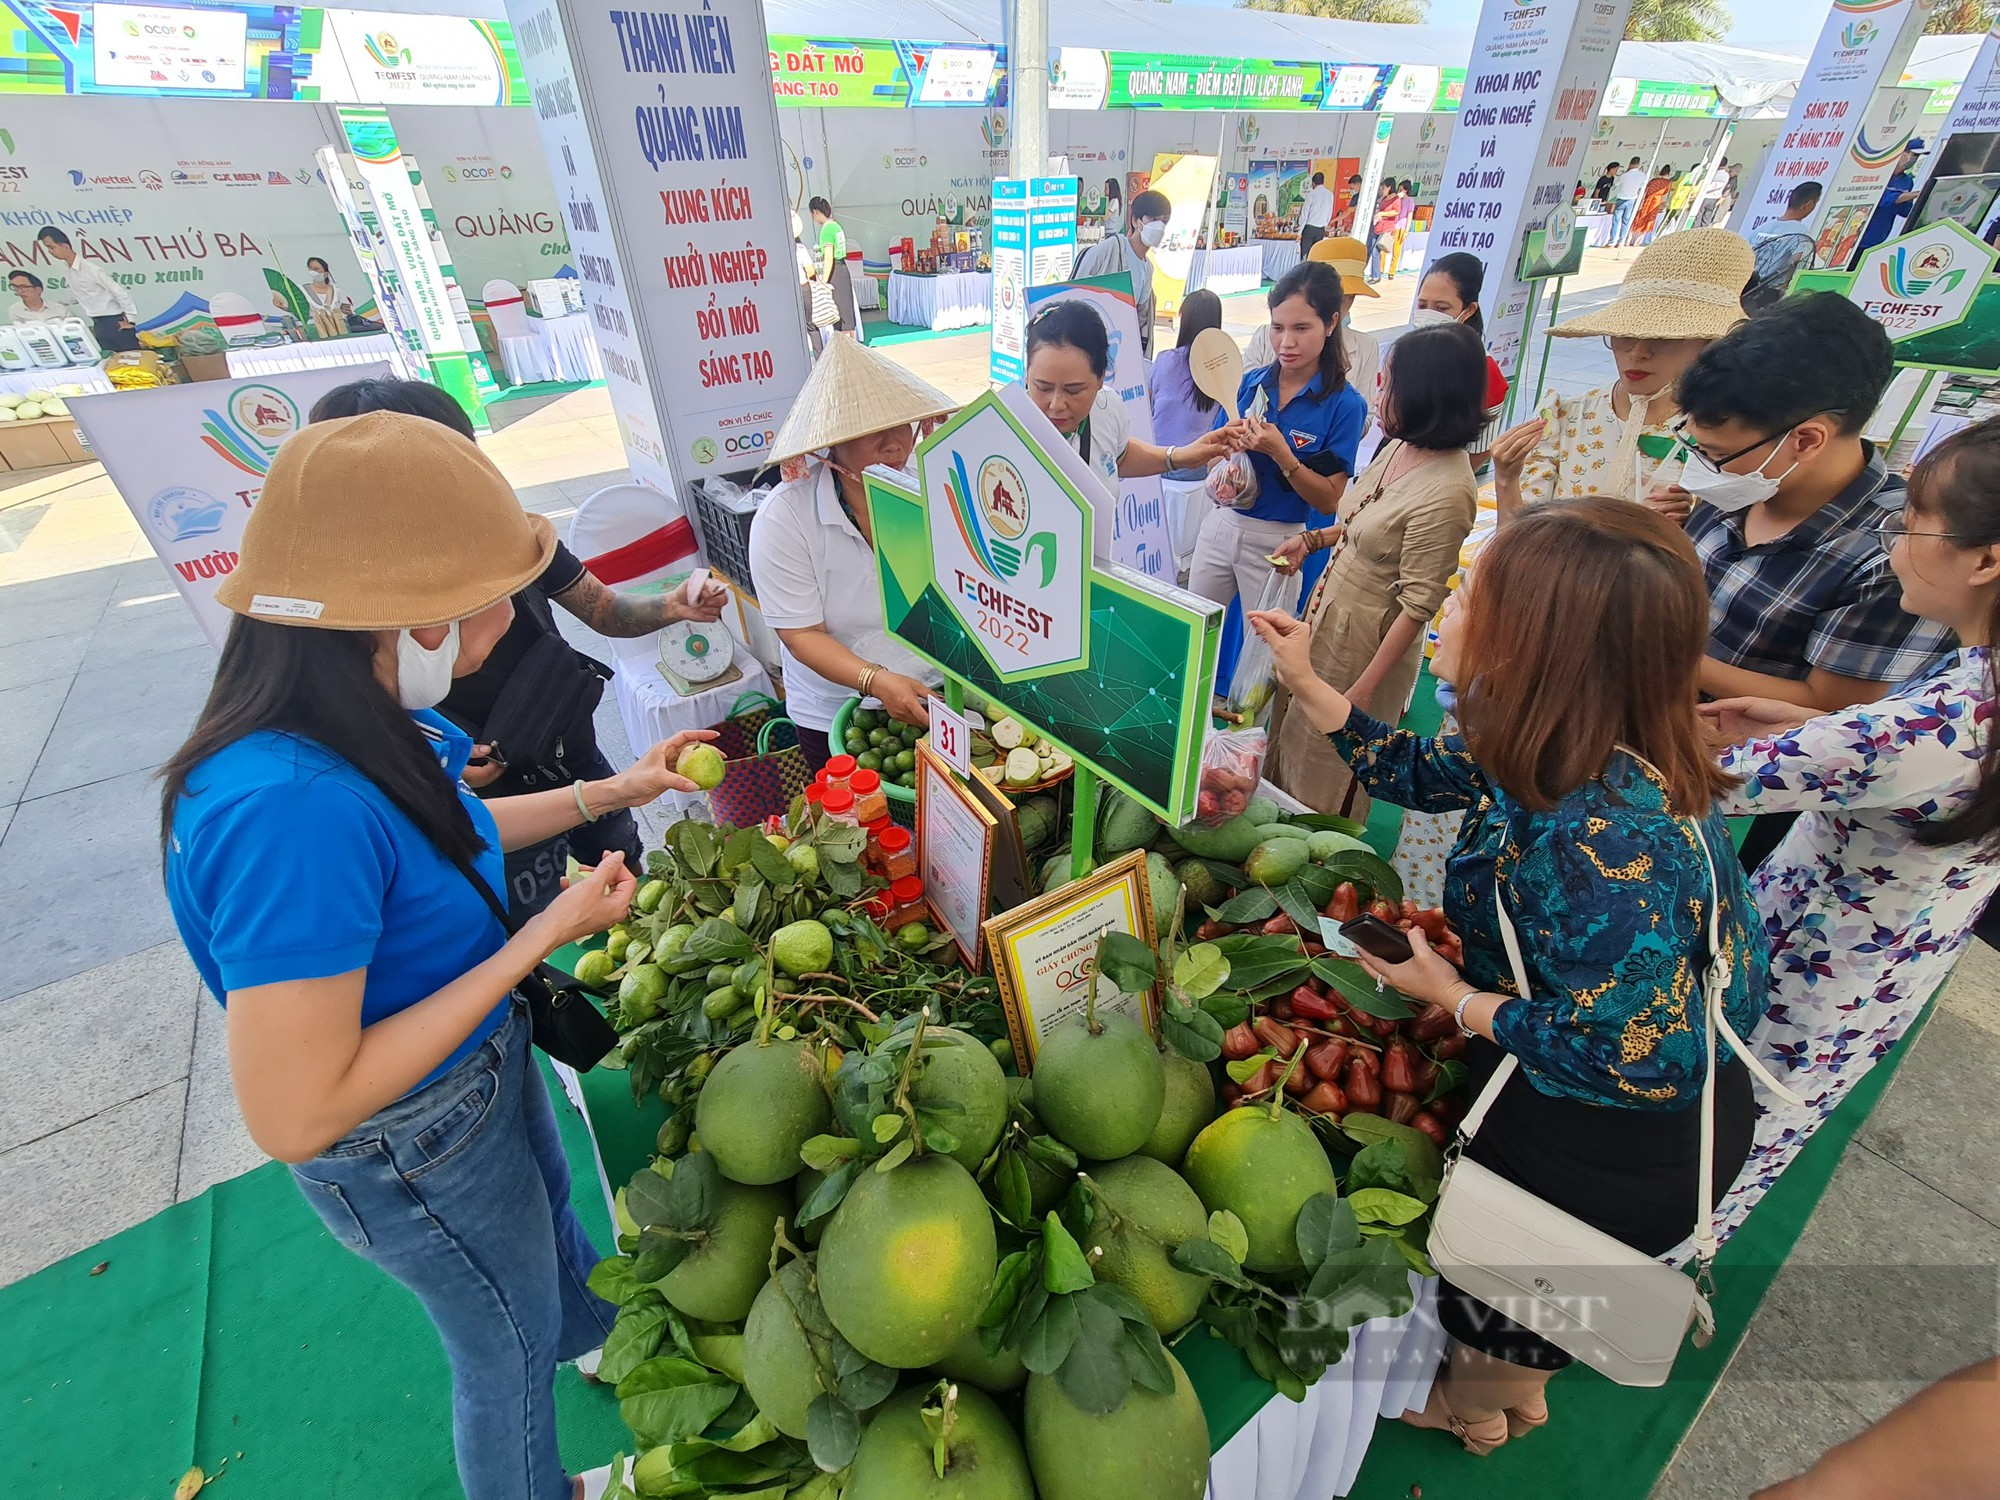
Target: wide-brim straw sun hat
1349,257
383,521
852,392
1683,286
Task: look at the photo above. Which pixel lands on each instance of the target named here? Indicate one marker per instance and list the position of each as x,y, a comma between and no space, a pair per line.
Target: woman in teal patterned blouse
1588,793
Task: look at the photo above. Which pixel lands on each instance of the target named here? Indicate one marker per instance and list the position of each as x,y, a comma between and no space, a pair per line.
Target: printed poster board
955,840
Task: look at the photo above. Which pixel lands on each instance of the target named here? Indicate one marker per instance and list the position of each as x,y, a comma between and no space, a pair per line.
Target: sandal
1525,1418
1479,1439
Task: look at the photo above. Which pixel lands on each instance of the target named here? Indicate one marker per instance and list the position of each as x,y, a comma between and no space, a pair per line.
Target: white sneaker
586,1366
597,1481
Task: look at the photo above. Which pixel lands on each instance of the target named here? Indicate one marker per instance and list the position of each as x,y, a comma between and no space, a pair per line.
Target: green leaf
1228,1010
715,941
1252,905
840,843
1226,1233
612,1279
1383,1206
1012,1188
1451,1078
868,1385
1358,988
1256,961
1206,1258
646,1198
1047,1343
1120,1301
825,1152
1094,1375
634,1339
665,1373
1242,1069
1308,1348
750,894
936,1137
657,1417
1381,1165
1369,1281
1369,871
1327,823
833,1433
615,1487
1425,1162
694,1193
1317,886
1127,962
1027,1312
1326,1224
722,1353
886,1128
1146,1359
1050,1154
1009,1281
1296,900
842,880
1195,1034
773,866
897,1154
825,1198
1064,1268
1200,971
657,1253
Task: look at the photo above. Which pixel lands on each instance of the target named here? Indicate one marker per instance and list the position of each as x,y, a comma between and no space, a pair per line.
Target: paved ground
114,1094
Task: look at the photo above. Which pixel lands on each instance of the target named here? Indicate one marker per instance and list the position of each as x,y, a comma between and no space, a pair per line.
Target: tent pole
1548,341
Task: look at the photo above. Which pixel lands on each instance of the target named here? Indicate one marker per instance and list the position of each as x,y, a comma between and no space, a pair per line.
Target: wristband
1170,457
1458,1010
582,807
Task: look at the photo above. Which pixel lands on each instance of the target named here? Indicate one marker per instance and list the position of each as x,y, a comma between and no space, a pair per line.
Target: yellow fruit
702,764
595,969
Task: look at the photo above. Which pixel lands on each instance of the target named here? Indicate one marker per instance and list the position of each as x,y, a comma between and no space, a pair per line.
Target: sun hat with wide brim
1683,286
852,392
383,521
1349,257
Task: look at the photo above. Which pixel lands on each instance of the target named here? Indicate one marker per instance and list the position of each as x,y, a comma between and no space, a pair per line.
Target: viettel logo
76,178
383,48
993,517
1927,273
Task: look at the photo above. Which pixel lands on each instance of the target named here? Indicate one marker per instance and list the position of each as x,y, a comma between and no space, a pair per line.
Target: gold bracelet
867,678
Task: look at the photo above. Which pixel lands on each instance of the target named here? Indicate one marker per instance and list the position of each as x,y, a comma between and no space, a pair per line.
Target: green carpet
235,1324
543,388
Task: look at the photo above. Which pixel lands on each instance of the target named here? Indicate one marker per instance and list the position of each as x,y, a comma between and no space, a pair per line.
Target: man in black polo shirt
1788,500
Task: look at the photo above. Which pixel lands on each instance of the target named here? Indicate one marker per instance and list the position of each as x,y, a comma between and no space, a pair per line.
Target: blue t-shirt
286,863
1882,222
1323,432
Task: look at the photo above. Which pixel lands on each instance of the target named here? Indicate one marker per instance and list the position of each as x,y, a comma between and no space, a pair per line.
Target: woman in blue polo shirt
324,864
1301,451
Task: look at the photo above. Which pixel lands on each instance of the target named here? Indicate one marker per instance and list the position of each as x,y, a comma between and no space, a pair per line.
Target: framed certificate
955,834
1044,952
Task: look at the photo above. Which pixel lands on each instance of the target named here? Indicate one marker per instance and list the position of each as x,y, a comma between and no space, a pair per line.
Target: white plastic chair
520,346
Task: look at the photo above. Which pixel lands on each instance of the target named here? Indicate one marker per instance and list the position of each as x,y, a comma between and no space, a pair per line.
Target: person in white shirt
1131,252
106,303
1315,214
34,305
1625,195
812,547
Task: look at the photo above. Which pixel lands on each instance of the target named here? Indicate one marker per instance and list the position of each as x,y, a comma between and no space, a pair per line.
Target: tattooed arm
613,614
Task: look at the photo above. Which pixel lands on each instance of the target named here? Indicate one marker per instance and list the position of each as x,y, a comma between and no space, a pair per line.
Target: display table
652,711
20,382
948,300
1598,227
1279,256
324,354
554,349
867,291
1228,270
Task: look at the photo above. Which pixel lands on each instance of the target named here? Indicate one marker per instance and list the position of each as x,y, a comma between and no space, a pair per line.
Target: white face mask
1152,232
423,675
1730,493
1430,317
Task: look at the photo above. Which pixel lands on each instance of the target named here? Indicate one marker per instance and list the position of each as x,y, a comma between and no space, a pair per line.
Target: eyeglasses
1896,525
1690,448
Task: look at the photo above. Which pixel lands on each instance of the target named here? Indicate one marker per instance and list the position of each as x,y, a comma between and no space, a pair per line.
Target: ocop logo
749,442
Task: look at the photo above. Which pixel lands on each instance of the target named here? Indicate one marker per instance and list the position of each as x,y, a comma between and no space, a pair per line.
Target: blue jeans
460,1191
1622,210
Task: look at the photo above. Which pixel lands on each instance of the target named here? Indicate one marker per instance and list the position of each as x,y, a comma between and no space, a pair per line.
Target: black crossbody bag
566,1023
552,691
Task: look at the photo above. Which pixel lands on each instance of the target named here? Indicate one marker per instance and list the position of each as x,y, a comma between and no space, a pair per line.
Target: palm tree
1960,18
1389,12
1677,21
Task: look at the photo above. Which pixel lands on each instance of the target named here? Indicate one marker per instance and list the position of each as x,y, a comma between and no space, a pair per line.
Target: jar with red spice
908,895
896,853
871,803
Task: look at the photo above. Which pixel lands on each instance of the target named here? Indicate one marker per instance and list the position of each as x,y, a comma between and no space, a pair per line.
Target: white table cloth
652,711
948,300
20,382
1598,227
554,349
1279,257
1312,1449
1228,270
276,359
867,292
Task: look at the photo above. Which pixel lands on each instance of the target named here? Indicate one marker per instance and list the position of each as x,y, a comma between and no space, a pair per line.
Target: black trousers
1308,237
111,338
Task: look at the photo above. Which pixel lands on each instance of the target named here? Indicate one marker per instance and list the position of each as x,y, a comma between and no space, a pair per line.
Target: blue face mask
1447,698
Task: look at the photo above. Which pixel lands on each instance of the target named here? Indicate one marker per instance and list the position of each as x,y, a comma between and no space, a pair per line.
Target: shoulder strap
493,903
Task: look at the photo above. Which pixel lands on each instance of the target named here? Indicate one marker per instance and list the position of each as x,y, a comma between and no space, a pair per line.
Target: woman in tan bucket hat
336,884
1682,294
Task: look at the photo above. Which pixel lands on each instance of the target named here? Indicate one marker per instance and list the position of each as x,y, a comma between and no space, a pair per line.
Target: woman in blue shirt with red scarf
1301,451
323,864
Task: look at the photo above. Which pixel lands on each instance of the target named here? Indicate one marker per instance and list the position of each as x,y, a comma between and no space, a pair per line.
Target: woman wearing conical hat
812,547
1682,294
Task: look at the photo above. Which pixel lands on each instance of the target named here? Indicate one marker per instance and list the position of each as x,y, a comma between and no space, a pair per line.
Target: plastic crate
722,522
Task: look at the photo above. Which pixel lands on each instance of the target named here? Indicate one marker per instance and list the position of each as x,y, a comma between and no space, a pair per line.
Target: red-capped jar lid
864,782
895,841
838,767
837,799
909,888
815,791
875,827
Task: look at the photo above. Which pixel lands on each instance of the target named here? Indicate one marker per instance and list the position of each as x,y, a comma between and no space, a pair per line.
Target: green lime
594,968
906,760
878,738
856,742
720,1002
869,760
865,719
1003,1051
913,938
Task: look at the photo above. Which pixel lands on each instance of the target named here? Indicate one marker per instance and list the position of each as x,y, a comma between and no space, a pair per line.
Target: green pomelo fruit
719,1279
758,1107
1190,1104
1203,889
968,1362
1038,819
702,764
1329,842
1263,1171
780,1369
1153,1447
1100,1094
983,1458
1276,861
1231,842
965,1081
907,1263
802,947
1151,1210
1165,889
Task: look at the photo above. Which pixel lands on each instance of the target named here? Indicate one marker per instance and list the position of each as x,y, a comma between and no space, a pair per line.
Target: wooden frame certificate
955,837
1043,952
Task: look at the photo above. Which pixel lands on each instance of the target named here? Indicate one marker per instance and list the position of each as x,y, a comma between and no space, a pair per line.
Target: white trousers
1231,556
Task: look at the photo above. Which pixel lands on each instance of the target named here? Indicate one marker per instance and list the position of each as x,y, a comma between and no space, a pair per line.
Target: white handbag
825,310
1596,1298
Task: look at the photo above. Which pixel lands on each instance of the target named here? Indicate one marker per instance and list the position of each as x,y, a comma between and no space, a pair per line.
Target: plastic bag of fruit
1232,765
1253,684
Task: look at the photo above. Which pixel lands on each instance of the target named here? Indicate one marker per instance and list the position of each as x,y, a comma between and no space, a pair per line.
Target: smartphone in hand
1377,938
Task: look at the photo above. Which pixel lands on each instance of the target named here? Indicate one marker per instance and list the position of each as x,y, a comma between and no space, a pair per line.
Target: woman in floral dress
1873,894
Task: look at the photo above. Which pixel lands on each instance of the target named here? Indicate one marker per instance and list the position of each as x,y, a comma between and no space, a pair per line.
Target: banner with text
1531,94
190,461
1864,44
1034,244
1188,182
1850,200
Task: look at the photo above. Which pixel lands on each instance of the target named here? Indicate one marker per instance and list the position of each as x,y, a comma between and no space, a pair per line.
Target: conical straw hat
852,392
1683,286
